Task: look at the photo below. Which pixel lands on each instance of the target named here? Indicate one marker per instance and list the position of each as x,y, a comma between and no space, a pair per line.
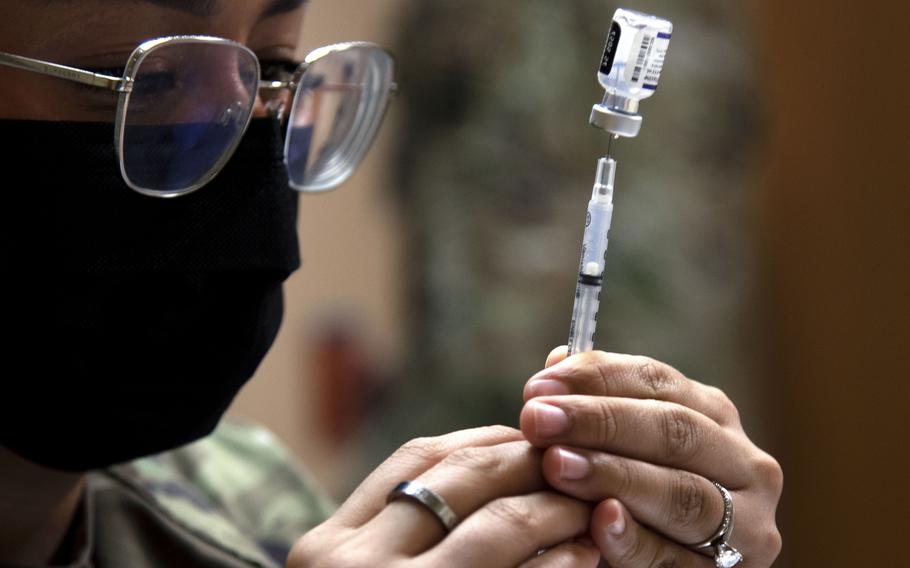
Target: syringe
629,72
593,257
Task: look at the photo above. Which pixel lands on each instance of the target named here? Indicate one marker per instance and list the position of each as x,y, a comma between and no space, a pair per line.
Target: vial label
606,63
646,58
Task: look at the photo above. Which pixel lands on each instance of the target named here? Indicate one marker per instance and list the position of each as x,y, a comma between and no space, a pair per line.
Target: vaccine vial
630,69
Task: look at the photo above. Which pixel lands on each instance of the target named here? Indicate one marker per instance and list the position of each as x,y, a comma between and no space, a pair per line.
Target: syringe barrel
599,219
593,259
584,318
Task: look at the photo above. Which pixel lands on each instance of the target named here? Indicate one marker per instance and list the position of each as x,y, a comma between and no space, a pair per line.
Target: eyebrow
281,7
201,8
209,8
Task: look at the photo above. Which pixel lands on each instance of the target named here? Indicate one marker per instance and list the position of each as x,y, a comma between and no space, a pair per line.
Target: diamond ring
725,556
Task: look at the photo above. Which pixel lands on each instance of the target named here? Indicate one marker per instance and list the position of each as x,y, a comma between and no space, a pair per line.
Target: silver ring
429,499
725,556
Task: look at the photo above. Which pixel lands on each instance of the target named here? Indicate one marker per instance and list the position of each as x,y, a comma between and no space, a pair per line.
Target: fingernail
572,466
547,387
549,420
548,372
618,525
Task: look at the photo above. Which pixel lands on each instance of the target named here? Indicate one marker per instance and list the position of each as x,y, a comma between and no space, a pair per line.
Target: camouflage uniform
233,499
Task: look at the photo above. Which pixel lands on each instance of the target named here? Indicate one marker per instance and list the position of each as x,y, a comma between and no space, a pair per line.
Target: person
143,297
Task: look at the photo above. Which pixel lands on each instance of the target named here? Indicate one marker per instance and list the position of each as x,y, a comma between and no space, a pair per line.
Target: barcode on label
642,57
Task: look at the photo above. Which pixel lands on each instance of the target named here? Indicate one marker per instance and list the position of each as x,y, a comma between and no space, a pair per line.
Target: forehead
211,8
48,27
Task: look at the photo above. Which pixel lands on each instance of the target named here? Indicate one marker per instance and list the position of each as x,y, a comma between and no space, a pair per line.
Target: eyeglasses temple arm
63,72
279,85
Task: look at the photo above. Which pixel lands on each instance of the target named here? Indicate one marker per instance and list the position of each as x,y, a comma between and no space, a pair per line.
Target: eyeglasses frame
124,86
379,99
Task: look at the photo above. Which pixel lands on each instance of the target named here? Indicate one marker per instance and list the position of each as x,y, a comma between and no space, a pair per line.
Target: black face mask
135,320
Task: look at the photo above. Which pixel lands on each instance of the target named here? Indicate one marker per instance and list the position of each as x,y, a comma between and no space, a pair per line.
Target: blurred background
760,241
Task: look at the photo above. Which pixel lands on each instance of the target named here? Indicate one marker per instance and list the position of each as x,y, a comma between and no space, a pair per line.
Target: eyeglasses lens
189,106
335,115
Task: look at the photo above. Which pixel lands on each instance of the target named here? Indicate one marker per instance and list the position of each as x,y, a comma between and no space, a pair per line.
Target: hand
644,442
493,481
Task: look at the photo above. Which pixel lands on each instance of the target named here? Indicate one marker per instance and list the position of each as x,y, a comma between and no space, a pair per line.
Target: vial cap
616,122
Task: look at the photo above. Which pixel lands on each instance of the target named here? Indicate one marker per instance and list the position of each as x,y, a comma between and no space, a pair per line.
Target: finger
624,543
408,462
566,555
557,355
611,374
466,480
680,505
540,385
509,531
658,432
548,387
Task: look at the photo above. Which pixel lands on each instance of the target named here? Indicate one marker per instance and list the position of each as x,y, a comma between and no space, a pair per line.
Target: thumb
556,356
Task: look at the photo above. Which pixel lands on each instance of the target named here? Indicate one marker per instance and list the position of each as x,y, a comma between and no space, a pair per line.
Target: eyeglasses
186,101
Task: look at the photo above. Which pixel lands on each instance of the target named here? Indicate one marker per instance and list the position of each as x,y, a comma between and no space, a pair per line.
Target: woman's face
101,34
158,311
